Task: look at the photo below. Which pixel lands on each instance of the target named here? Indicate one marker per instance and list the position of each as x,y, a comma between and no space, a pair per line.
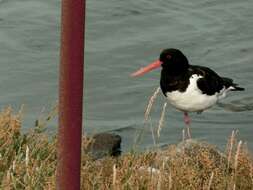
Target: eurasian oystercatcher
189,88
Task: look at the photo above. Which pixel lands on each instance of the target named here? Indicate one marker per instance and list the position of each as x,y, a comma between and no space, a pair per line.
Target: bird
188,88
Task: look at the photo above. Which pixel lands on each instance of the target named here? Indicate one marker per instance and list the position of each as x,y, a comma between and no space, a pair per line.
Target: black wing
211,81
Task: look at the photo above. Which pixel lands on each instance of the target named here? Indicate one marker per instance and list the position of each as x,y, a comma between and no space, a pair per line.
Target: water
29,38
122,36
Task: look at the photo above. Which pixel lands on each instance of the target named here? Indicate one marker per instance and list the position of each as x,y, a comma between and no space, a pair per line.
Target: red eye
168,56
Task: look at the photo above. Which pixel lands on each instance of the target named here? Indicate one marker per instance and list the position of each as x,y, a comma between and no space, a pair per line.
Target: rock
103,144
201,151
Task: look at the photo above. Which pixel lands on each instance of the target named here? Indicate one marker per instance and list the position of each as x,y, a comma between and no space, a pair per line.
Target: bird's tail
237,88
229,84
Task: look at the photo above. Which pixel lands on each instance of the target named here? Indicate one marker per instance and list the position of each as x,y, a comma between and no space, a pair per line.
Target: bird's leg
187,121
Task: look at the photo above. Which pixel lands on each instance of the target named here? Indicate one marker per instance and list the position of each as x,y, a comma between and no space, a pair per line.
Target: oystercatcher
189,88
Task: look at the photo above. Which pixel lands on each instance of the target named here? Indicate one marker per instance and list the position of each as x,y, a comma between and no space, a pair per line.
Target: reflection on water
240,105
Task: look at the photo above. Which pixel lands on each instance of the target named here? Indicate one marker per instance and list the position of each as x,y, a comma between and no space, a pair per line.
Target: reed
147,118
210,181
237,154
231,145
161,121
28,161
114,175
183,135
150,103
170,181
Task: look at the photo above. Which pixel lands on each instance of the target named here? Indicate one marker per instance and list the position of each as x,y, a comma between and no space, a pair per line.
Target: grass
28,161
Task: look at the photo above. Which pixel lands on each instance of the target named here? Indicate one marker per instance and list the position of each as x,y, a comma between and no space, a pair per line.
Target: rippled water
122,36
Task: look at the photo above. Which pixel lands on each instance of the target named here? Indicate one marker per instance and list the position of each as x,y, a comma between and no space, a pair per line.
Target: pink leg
187,121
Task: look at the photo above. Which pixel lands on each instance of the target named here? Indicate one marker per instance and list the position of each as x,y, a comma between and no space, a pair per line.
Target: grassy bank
28,161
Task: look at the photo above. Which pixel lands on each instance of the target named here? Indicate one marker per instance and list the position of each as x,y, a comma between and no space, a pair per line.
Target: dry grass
160,124
28,161
150,104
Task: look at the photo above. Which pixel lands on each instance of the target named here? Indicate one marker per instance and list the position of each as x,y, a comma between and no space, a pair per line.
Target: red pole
70,95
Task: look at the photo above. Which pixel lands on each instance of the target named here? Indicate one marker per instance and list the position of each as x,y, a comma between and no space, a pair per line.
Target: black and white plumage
189,88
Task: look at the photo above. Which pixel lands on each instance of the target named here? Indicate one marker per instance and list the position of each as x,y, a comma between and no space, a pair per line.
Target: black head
174,61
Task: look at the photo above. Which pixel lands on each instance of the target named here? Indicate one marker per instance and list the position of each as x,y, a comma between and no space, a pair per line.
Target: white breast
192,100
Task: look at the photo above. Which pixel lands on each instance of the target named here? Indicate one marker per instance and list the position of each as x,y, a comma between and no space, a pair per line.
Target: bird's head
171,60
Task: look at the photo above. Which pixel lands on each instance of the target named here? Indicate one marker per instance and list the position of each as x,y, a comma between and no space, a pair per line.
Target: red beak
146,69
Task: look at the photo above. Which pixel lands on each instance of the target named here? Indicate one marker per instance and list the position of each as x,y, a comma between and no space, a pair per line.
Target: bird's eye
168,56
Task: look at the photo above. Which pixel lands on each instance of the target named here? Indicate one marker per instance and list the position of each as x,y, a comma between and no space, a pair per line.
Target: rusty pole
70,95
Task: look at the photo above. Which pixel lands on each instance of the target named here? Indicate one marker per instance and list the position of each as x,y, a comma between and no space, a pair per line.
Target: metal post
70,95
